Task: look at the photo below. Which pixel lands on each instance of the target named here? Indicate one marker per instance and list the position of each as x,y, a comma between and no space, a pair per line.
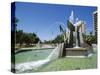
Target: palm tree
15,21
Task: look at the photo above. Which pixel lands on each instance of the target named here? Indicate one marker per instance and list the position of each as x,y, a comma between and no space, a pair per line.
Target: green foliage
23,37
16,20
48,42
90,39
26,38
59,39
19,36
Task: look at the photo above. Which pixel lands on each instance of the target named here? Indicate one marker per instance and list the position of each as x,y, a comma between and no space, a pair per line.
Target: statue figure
73,34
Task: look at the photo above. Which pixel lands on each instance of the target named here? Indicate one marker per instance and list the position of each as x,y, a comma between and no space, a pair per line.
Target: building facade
95,23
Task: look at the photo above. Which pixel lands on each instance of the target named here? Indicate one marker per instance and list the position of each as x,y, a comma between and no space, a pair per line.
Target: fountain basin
28,55
77,51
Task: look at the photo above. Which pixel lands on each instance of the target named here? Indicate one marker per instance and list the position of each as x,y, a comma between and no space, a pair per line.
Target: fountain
74,46
76,36
38,44
64,49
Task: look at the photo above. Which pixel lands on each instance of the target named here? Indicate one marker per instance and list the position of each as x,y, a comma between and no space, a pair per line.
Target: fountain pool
36,58
32,55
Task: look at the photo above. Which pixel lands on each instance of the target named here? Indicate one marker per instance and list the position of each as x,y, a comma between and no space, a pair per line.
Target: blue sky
44,19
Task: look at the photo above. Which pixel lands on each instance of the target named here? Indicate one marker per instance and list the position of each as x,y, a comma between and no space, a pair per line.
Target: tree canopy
26,38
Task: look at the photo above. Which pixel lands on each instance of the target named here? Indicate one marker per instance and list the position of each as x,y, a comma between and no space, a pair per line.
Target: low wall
76,52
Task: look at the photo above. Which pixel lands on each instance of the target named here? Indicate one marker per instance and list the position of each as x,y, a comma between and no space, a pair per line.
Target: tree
58,39
26,38
19,37
15,21
90,39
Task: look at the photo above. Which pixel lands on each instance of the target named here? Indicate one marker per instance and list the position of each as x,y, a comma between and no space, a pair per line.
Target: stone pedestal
76,52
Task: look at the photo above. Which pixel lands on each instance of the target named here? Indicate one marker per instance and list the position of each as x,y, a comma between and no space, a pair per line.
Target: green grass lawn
60,64
69,63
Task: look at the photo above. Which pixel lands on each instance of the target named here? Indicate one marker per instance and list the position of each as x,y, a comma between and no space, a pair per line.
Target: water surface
33,55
